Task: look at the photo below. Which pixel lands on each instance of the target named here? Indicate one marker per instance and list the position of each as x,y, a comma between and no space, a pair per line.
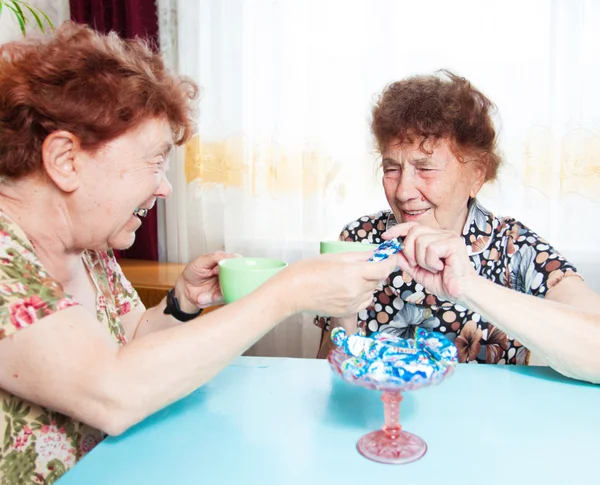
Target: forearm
154,320
161,367
566,337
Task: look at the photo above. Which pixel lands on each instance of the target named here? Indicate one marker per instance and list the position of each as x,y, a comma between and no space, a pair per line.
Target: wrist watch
173,309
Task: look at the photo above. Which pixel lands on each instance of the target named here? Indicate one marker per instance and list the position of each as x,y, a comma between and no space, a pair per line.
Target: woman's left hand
435,258
198,285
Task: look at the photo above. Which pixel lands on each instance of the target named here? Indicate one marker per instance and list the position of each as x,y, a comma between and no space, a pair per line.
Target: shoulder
27,292
369,227
516,235
533,265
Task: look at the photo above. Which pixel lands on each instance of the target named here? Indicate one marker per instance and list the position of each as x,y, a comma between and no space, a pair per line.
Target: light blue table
291,421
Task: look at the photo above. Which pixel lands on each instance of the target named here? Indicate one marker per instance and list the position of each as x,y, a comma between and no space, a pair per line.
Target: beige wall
57,10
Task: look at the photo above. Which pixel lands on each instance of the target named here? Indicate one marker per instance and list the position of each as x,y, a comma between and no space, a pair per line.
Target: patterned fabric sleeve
125,295
27,293
534,266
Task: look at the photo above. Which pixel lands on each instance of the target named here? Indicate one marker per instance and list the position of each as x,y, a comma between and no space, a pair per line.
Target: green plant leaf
46,17
20,10
35,16
19,17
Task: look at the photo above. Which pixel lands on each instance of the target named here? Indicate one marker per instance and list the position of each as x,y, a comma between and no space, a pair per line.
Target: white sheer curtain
284,158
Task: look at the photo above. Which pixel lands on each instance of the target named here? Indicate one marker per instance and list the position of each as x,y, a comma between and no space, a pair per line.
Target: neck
463,218
27,202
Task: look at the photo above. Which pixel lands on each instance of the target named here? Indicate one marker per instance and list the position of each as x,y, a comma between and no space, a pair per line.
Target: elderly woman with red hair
465,272
86,125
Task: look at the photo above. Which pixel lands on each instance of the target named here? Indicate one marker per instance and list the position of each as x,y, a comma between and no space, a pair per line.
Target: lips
413,215
415,212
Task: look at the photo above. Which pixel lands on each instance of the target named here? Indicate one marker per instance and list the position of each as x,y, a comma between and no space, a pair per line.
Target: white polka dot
418,287
363,315
398,303
476,317
442,329
389,309
378,307
397,282
373,326
537,281
460,308
415,297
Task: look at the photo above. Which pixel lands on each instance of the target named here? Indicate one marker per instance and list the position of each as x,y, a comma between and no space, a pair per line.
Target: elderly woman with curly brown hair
86,125
465,272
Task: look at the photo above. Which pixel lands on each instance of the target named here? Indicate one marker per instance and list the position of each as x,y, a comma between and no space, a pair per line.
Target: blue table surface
292,421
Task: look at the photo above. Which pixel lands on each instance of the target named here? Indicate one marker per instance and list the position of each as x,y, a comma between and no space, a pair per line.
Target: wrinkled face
126,174
429,189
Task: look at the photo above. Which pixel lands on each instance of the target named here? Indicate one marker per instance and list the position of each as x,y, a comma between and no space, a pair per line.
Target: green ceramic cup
241,276
345,247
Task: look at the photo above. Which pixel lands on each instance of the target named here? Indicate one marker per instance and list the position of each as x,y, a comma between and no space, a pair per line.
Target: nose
165,188
407,188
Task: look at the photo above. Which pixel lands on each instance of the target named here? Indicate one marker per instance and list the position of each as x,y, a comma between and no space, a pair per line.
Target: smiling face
126,174
431,189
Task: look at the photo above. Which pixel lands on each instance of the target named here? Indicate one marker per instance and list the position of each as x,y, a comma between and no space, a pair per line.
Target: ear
478,170
58,157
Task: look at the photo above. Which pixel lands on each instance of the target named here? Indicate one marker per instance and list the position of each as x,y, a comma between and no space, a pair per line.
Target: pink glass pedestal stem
391,444
391,414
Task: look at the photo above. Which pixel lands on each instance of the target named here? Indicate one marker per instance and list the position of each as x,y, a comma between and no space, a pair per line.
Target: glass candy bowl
392,365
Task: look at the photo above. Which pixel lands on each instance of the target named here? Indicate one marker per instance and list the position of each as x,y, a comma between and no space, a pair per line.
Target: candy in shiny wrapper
386,249
379,370
409,363
338,336
355,367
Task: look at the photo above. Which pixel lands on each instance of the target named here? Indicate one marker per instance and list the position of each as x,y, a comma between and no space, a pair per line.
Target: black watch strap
173,309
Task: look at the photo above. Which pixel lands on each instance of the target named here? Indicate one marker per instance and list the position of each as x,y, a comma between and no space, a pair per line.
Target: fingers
220,255
423,247
404,265
426,251
399,230
351,257
366,303
379,270
209,299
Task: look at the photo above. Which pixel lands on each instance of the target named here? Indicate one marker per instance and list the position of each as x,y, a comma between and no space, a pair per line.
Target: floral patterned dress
501,250
37,444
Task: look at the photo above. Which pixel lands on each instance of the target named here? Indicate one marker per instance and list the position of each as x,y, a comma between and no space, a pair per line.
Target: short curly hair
438,106
92,85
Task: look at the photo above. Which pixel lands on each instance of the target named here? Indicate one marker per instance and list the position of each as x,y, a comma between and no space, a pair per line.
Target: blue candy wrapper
385,359
386,249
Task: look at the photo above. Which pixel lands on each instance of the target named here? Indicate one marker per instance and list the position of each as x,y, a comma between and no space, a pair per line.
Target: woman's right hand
334,285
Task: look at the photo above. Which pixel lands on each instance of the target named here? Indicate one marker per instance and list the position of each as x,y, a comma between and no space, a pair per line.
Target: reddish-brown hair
95,86
429,108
